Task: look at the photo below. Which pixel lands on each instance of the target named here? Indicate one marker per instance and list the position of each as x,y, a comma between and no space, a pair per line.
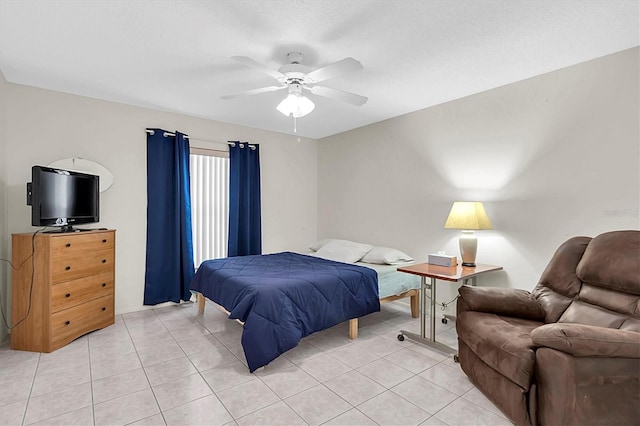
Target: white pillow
386,255
343,251
319,244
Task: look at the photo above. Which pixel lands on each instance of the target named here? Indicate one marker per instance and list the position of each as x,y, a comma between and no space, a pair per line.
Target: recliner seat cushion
503,343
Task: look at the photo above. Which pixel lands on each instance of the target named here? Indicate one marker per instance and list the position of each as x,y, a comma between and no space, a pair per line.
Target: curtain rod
230,143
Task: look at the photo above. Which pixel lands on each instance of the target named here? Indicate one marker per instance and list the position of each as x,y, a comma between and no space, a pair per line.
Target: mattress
390,281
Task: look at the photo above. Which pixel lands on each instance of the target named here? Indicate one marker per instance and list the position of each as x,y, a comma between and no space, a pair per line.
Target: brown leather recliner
568,353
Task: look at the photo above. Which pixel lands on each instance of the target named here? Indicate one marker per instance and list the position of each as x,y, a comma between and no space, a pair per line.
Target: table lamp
468,216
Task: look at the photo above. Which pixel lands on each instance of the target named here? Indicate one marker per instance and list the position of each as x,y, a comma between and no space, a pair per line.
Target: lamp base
468,248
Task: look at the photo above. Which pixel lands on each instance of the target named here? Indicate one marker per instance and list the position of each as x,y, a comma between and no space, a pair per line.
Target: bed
392,285
281,298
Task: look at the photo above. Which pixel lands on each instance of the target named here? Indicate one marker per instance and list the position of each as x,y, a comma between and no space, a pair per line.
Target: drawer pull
68,245
104,284
67,322
104,309
67,268
67,295
104,241
104,260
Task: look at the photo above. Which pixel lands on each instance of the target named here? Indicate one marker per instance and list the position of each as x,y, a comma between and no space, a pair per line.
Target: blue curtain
169,267
245,229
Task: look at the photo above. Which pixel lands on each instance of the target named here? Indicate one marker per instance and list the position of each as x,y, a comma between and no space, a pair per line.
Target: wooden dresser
70,292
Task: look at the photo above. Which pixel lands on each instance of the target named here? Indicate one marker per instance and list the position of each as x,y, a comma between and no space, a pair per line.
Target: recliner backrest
594,281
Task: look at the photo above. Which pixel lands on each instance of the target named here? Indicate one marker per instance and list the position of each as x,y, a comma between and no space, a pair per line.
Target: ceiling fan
296,78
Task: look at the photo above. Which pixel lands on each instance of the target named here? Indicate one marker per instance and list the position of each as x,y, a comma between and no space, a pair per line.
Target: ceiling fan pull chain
295,130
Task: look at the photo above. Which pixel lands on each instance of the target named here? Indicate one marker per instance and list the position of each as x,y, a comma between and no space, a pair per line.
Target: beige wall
44,126
553,156
4,268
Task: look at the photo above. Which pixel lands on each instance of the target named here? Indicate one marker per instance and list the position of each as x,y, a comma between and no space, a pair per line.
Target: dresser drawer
82,265
74,244
76,292
74,322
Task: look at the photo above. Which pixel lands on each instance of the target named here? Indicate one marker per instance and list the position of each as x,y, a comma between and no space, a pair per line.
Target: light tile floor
171,366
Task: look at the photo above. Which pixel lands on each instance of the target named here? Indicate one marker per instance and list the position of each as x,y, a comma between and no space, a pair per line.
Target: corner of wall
4,238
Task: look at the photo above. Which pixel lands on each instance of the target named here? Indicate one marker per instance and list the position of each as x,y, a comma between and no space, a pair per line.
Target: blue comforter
284,297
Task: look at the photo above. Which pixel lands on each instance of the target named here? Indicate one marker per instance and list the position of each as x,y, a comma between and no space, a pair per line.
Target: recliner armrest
502,301
588,340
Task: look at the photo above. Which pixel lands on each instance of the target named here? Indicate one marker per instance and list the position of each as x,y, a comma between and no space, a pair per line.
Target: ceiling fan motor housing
294,57
294,71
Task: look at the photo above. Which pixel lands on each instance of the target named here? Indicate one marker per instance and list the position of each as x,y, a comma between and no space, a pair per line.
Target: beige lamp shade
468,215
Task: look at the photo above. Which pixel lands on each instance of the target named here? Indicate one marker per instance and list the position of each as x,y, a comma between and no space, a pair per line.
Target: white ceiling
174,55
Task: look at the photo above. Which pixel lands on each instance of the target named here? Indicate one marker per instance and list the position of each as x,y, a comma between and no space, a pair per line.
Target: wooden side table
435,272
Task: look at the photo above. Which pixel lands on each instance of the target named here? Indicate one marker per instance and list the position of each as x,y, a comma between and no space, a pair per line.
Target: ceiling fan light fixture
296,105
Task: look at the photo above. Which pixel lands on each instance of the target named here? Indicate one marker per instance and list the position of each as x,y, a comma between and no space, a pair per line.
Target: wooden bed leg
353,328
201,302
415,305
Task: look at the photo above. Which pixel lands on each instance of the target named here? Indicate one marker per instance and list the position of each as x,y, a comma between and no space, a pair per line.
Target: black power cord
444,305
33,249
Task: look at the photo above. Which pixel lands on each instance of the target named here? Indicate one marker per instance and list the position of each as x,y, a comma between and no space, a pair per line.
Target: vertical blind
209,206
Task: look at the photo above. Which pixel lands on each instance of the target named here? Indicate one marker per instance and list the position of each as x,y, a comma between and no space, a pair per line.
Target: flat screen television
63,198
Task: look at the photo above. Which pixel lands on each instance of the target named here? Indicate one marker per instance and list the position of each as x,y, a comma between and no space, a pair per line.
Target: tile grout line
494,410
213,392
93,404
144,371
33,381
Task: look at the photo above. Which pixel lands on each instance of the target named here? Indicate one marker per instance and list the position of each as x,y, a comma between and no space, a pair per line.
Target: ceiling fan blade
341,95
332,70
254,92
245,60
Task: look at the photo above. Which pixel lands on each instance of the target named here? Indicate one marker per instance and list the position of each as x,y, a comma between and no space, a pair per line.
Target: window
209,203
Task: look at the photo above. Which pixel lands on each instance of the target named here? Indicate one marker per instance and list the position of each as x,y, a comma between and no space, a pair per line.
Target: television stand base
65,229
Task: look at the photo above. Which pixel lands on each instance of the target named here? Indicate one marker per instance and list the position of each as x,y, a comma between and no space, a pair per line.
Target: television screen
63,197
